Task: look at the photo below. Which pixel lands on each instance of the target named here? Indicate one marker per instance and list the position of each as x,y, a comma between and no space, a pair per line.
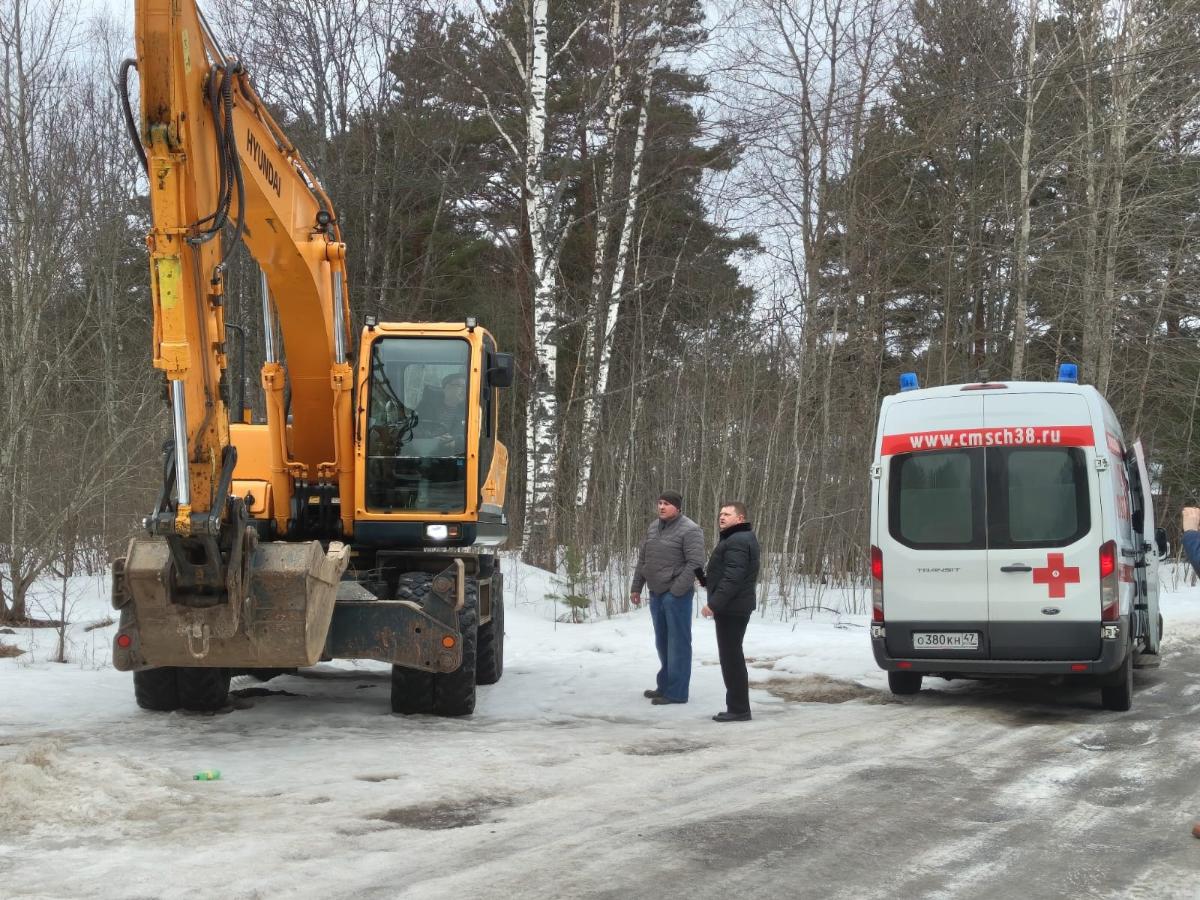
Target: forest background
714,235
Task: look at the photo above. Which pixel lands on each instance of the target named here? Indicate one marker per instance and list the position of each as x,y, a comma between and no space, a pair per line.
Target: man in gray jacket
670,560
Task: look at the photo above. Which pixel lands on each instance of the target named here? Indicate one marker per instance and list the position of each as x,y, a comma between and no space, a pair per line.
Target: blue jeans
672,617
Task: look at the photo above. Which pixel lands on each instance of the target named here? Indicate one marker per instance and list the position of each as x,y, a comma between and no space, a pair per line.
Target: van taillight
876,584
1108,559
1110,595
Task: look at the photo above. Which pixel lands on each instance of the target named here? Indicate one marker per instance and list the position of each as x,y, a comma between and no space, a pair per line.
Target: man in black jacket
730,576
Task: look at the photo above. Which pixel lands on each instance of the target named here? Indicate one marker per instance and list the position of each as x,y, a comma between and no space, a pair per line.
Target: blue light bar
908,381
1068,373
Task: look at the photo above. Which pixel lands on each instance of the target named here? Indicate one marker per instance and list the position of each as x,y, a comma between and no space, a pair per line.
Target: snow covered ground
323,792
553,668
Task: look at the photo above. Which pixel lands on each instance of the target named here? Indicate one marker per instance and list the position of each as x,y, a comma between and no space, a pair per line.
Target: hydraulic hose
127,109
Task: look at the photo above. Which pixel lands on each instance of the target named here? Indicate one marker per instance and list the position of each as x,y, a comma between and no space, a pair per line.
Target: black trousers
731,629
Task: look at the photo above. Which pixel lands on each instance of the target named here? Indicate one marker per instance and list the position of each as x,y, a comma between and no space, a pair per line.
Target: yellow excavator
359,519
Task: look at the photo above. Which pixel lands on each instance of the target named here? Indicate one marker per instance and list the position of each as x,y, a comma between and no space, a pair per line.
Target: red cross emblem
1057,575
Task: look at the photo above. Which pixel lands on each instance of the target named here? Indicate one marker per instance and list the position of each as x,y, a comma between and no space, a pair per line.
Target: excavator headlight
438,531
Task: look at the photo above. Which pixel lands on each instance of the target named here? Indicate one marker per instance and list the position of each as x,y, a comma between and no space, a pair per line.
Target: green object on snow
207,775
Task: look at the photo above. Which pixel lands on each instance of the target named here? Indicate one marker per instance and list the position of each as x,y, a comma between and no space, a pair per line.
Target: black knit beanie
675,499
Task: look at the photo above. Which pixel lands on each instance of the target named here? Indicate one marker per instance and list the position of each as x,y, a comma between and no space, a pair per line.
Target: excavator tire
156,689
454,692
203,690
412,691
439,693
489,658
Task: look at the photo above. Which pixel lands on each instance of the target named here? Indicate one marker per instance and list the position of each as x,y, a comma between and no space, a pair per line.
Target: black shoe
731,717
651,694
663,701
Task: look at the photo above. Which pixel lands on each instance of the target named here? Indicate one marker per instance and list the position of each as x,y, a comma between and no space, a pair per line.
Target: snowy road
992,791
566,783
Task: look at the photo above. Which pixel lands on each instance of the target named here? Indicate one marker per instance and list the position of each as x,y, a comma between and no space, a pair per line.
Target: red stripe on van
1014,436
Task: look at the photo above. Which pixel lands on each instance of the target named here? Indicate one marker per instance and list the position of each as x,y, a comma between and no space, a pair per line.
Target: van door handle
1016,567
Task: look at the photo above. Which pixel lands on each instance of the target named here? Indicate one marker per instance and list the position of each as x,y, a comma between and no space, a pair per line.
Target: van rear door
1044,527
1148,576
932,533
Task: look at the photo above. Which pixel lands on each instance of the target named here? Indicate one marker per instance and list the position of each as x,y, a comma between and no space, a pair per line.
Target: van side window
1037,497
936,499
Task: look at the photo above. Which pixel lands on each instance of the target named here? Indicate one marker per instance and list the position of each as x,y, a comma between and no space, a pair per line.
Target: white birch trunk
592,405
541,444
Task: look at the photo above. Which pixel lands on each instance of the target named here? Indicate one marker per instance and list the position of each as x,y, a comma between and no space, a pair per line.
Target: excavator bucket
278,617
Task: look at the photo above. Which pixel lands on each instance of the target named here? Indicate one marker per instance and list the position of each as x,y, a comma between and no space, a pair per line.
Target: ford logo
1050,610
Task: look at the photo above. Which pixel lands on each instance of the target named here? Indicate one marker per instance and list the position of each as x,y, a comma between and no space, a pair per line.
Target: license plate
946,640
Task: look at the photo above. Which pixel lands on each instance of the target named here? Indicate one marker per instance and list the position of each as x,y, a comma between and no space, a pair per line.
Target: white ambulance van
1012,534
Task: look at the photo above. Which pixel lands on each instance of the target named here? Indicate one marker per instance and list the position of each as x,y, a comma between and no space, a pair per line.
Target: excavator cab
428,407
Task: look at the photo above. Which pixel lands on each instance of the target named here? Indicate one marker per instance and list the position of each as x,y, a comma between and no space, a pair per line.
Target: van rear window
936,499
999,497
1037,497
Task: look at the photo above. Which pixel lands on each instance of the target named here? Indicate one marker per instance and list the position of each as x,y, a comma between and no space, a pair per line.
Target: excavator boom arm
217,161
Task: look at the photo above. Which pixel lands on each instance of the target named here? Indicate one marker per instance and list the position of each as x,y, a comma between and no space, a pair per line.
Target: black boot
731,717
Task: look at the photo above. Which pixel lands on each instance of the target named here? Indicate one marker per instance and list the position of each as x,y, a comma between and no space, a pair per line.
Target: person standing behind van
1191,549
730,577
670,560
1191,536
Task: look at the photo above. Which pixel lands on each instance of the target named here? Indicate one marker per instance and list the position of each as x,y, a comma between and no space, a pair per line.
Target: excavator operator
445,417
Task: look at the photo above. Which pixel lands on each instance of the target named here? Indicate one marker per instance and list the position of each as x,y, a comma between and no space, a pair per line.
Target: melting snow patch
823,689
45,787
444,816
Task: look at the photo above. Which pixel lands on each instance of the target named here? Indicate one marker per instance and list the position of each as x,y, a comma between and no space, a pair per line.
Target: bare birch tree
543,222
606,292
543,210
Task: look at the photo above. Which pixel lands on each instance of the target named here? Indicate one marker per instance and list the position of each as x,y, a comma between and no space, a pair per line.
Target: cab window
417,415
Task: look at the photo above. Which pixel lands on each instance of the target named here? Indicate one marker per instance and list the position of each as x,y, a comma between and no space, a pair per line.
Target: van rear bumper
1112,653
